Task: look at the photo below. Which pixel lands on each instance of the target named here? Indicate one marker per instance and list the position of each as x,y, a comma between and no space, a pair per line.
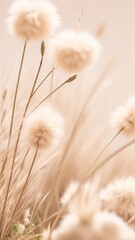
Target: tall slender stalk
94,90
14,105
90,96
43,81
90,174
10,134
29,100
55,90
80,17
20,129
106,147
26,182
52,78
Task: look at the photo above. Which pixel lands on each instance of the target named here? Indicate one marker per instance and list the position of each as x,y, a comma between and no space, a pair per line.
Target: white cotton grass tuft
74,51
97,224
119,197
108,226
21,229
31,19
124,117
26,217
44,127
70,191
82,200
45,235
104,226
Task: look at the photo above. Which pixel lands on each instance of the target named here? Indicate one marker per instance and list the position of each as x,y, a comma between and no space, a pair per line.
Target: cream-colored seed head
85,220
74,51
104,226
70,191
124,117
32,19
44,127
119,197
46,235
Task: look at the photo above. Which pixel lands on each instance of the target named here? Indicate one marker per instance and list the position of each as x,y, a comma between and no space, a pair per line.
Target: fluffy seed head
44,127
124,117
45,235
21,228
74,51
83,201
119,197
26,217
105,226
70,191
32,19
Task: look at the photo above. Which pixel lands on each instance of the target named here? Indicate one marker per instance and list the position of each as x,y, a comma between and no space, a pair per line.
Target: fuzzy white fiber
32,19
85,202
119,197
45,235
103,226
124,117
71,189
44,127
73,51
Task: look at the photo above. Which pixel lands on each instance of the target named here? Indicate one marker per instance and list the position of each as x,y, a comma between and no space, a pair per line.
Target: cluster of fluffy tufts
97,224
104,226
32,19
73,51
124,117
44,127
119,197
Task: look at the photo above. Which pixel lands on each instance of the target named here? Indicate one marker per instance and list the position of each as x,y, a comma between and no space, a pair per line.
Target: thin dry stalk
46,220
30,97
100,31
106,147
80,17
38,206
26,182
45,165
94,90
43,81
20,129
90,174
67,81
76,125
10,134
28,198
14,105
52,79
3,110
